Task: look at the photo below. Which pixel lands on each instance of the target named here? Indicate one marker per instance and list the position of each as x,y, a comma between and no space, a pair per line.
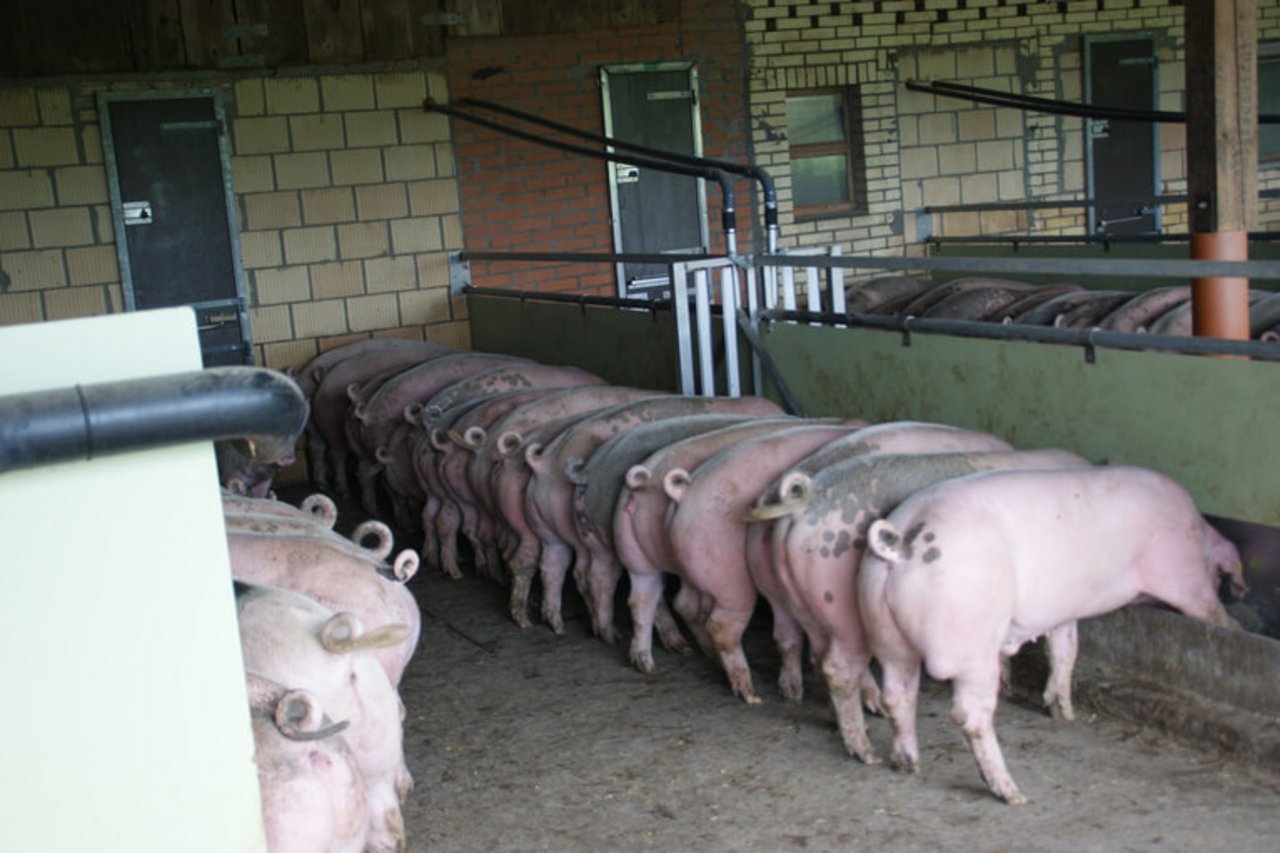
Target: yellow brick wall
346,198
923,149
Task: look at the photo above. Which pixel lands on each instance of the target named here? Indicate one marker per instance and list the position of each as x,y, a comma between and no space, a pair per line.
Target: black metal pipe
756,173
1035,334
85,421
995,97
748,331
570,298
1090,239
728,215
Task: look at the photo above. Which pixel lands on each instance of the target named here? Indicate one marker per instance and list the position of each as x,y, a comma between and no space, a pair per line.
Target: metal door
1122,155
655,105
176,236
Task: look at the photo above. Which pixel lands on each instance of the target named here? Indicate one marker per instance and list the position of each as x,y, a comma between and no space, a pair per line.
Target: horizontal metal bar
570,298
1052,204
1085,239
1136,267
1036,334
588,257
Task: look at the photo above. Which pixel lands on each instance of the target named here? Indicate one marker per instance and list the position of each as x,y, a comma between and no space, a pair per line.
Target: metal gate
176,237
1122,155
655,105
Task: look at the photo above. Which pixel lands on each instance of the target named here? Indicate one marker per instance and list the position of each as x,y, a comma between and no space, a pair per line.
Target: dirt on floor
523,740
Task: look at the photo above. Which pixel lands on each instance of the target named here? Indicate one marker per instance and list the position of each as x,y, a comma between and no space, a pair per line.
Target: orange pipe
1220,305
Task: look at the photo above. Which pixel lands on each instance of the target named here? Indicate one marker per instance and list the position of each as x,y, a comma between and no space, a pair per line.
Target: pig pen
524,740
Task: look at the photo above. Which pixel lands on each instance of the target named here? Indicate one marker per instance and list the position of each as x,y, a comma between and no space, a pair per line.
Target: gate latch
625,173
137,212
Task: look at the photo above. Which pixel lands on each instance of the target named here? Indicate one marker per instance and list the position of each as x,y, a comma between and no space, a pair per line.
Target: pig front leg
1062,642
974,693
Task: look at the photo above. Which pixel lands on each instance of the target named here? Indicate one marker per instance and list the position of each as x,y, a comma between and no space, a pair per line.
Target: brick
979,189
309,245
421,126
252,174
400,90
93,265
445,165
919,163
356,167
45,146
18,106
269,135
456,335
282,284
937,129
271,210
74,302
425,306
410,162
19,308
295,354
260,249
301,171
433,270
362,240
941,191
383,201
347,92
420,234
428,197
55,106
976,124
373,312
957,159
384,275
451,232
316,132
995,156
249,98
270,323
63,226
13,231
291,95
344,278
369,129
81,185
975,62
437,87
328,206
35,270
313,319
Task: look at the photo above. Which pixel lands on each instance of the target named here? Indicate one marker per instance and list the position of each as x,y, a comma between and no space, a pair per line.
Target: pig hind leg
1062,643
688,603
789,638
668,631
844,673
646,593
974,692
726,628
553,568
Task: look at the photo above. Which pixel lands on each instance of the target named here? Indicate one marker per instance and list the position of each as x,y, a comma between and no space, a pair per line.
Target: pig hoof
868,757
521,618
1013,797
791,691
642,661
904,764
608,635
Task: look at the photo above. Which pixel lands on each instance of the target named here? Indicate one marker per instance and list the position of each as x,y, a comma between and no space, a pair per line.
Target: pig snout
1224,559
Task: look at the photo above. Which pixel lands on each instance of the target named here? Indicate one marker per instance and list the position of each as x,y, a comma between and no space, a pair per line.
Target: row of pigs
908,542
1160,311
327,628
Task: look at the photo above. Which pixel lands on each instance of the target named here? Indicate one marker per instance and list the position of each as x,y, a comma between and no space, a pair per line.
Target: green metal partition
1210,423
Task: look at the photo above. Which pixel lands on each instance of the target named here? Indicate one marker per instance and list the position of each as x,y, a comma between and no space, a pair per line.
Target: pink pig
970,569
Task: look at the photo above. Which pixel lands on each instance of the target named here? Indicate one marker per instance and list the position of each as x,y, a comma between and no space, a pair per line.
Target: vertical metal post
684,334
789,288
813,290
702,305
729,309
838,305
753,316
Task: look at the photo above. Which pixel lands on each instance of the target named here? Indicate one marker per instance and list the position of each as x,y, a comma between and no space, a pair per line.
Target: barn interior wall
922,149
346,194
519,196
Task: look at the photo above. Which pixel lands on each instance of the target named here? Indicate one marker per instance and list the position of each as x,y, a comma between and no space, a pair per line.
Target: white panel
126,723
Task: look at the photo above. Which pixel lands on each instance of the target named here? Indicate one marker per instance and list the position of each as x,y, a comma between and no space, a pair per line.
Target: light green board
1213,424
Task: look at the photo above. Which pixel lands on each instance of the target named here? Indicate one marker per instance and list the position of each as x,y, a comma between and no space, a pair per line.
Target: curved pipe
756,173
85,421
728,215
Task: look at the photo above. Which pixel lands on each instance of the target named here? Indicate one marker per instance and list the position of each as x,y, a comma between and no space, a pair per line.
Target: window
828,174
1269,101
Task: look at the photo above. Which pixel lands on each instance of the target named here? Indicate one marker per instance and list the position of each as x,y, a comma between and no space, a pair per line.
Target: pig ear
405,565
885,541
299,717
322,508
676,483
380,548
638,477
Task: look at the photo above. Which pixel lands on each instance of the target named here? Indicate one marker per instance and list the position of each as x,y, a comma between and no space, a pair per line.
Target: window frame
851,148
1269,54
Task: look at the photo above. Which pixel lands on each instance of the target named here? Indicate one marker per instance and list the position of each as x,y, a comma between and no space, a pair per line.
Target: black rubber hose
85,421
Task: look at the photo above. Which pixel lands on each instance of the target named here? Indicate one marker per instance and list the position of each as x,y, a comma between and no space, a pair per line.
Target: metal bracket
906,329
1090,355
459,274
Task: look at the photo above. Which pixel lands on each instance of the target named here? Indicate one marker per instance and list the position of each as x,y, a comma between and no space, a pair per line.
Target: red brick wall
517,196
